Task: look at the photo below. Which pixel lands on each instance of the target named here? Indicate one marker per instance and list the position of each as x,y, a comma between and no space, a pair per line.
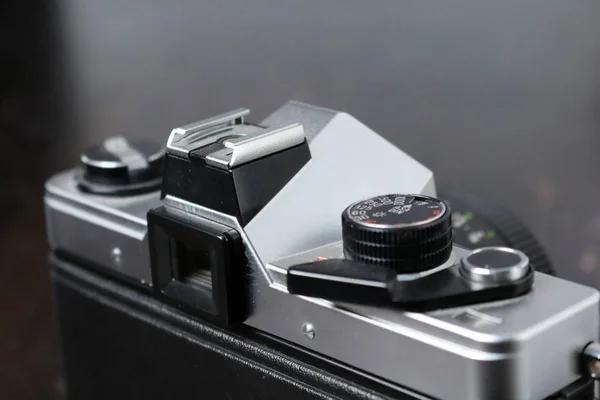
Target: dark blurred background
500,98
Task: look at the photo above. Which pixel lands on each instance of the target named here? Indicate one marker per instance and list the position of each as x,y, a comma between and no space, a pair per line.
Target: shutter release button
495,265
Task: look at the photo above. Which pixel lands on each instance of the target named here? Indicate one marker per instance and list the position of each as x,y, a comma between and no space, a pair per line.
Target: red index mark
436,212
371,221
322,258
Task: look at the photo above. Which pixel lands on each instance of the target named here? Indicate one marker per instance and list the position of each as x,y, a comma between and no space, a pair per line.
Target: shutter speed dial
409,233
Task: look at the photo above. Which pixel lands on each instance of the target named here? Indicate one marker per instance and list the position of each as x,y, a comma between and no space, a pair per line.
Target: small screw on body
308,330
115,254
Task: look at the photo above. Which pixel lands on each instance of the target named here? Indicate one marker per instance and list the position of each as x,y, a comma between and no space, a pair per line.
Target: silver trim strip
58,205
363,282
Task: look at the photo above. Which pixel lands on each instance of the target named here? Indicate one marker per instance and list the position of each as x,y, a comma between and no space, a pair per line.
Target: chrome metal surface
309,331
493,274
475,352
349,161
336,250
591,354
108,231
130,157
421,274
261,143
105,164
116,256
247,144
313,118
189,137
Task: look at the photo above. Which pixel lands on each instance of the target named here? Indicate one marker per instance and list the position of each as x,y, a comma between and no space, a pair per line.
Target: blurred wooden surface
501,98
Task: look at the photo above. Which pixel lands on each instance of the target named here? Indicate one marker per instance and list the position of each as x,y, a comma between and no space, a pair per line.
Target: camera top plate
461,353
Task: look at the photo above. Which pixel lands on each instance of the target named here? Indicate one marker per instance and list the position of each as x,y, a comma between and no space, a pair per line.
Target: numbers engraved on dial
396,210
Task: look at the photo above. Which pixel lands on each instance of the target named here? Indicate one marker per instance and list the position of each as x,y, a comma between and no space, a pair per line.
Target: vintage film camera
301,257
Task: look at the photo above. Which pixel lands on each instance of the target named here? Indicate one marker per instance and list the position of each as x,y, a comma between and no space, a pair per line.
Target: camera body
218,266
